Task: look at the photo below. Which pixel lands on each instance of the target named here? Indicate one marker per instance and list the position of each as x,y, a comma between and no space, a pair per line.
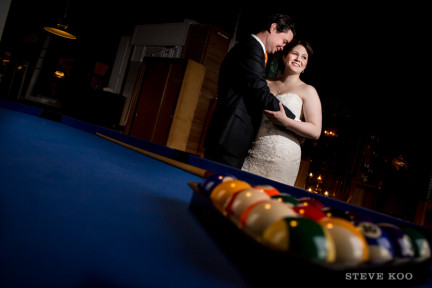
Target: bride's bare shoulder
308,89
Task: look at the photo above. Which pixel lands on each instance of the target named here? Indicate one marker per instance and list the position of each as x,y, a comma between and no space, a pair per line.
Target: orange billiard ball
268,189
226,189
238,202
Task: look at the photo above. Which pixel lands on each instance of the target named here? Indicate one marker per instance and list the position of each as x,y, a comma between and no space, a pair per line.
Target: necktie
266,58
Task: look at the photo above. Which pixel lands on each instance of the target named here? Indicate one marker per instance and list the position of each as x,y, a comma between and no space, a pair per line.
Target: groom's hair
283,22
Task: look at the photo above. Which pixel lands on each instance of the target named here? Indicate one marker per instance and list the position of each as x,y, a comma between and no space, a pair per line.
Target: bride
276,151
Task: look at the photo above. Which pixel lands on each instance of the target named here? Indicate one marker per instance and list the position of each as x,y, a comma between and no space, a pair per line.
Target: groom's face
276,41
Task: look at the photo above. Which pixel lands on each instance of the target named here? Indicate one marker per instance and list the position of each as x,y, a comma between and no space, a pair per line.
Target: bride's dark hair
294,43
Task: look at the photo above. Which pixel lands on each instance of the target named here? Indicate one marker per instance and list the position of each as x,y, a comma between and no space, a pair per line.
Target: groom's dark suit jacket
243,94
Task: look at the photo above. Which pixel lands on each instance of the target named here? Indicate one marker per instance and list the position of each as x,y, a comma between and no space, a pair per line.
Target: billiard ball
257,217
213,180
351,246
224,190
335,212
239,201
312,201
268,189
380,246
357,217
309,211
403,247
420,244
286,198
301,236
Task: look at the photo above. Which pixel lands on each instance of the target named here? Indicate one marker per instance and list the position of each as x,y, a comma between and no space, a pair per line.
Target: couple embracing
258,124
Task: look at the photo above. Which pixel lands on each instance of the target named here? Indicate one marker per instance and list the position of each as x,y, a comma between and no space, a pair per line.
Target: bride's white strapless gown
276,151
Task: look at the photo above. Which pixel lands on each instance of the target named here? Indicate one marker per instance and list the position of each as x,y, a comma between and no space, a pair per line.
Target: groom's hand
278,117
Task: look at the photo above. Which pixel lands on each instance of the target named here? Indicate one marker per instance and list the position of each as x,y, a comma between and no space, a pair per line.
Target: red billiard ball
309,211
312,201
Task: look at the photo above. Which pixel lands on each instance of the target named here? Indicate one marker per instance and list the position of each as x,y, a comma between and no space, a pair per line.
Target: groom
243,92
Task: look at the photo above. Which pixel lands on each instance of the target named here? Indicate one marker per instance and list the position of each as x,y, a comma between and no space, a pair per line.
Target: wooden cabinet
164,101
208,45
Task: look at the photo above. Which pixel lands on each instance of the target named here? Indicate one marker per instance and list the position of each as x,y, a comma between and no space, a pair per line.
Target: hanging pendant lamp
62,28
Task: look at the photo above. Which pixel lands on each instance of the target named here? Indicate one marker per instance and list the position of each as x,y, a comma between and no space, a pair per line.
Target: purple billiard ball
402,245
336,212
213,180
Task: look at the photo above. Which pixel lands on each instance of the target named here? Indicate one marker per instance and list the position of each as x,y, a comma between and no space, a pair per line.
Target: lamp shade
60,30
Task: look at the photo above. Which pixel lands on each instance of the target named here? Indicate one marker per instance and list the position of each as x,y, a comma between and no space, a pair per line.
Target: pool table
78,210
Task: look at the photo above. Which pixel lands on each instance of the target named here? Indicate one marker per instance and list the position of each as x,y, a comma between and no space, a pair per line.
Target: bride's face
296,59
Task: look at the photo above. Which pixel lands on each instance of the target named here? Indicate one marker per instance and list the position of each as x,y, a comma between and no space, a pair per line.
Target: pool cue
184,166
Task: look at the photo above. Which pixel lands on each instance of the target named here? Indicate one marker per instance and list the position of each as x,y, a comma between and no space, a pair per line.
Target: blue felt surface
77,210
